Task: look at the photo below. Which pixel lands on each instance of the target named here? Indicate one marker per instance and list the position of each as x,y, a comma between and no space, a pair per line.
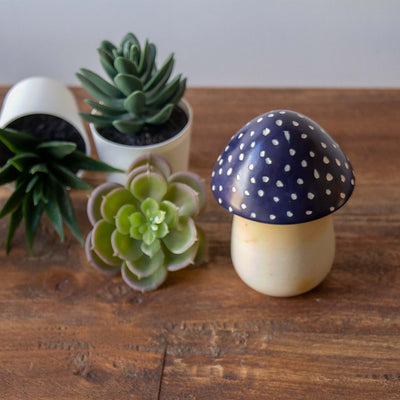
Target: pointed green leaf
143,58
134,54
131,39
127,83
162,116
144,284
8,174
39,168
146,266
107,46
128,127
162,97
32,183
14,201
15,220
18,141
105,110
38,193
105,87
135,102
32,215
101,121
107,62
67,210
57,149
22,161
150,60
162,75
53,211
68,178
98,94
179,93
182,237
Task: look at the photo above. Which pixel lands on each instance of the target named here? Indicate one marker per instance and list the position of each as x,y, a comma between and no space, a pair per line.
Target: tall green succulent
139,92
42,173
146,228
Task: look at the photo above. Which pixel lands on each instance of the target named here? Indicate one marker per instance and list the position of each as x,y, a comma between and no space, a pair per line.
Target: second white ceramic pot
176,149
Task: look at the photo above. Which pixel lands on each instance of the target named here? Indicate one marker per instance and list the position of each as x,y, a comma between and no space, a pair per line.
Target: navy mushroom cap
282,168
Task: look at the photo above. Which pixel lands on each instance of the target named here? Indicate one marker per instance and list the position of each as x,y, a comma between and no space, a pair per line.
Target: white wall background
353,43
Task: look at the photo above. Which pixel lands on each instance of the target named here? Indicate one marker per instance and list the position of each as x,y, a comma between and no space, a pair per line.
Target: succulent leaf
96,261
32,215
68,178
8,174
139,92
15,220
57,149
53,211
153,232
14,201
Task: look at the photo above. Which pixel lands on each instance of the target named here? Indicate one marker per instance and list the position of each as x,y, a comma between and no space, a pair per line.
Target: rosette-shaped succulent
146,228
139,93
43,171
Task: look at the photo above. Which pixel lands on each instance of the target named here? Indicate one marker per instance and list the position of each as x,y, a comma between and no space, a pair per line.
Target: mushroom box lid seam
282,168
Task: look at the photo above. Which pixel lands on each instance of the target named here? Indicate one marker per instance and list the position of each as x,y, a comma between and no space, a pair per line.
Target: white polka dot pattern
282,168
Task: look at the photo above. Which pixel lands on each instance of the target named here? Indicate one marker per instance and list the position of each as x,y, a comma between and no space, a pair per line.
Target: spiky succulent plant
42,173
146,228
139,92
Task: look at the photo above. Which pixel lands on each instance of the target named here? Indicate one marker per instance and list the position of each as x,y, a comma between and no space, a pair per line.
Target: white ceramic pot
282,260
41,95
176,150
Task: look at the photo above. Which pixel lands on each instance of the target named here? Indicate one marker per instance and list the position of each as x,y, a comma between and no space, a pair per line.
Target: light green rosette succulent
146,228
139,93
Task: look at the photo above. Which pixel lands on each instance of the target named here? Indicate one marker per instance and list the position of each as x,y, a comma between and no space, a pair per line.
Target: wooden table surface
69,332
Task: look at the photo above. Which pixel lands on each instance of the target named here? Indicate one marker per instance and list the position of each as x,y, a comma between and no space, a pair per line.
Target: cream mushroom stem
282,260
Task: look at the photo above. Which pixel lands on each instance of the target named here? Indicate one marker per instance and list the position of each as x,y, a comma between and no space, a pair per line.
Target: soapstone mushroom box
282,176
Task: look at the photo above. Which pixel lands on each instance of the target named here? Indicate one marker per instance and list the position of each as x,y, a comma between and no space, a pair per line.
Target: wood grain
68,332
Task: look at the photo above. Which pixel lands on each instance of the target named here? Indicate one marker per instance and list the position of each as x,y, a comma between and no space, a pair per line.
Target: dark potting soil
45,127
150,134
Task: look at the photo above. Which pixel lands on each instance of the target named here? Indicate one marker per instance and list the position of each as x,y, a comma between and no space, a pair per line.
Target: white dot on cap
265,179
220,201
253,215
346,165
241,147
247,193
276,199
352,181
229,172
279,183
287,168
332,209
312,154
342,195
262,153
230,209
304,163
316,174
311,127
260,193
304,136
310,195
220,171
260,119
227,148
266,132
251,167
282,112
338,162
220,188
292,152
253,145
230,158
238,177
326,160
308,212
213,174
252,133
241,156
272,217
270,115
243,206
213,187
293,196
240,135
268,160
342,178
233,189
275,142
289,214
252,179
295,123
329,177
300,181
279,122
287,135
328,192
323,144
221,161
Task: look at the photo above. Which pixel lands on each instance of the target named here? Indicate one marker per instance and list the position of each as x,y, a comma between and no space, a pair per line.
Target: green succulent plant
146,228
42,173
139,92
